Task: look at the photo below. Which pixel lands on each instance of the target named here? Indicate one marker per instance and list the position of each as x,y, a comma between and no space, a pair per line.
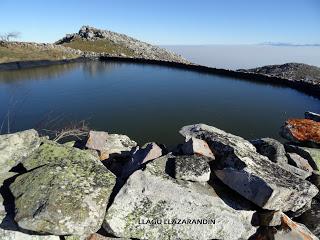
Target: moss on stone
65,192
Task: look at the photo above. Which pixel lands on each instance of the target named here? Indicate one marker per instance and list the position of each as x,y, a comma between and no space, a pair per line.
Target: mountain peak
91,39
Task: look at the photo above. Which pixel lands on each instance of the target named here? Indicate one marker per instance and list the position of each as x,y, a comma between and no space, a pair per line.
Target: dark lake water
145,102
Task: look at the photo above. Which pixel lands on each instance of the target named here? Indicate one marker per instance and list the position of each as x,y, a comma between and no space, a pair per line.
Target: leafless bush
6,37
75,130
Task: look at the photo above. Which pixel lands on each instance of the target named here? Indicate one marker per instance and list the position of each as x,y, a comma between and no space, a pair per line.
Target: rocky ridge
215,185
129,46
292,71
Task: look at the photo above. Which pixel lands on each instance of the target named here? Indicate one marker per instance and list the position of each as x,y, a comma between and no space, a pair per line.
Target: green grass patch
12,53
99,46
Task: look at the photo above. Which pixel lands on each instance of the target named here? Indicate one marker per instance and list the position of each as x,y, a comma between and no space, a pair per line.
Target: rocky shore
292,71
215,185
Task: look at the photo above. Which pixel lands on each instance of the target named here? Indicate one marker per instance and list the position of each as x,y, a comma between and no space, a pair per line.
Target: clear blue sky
168,21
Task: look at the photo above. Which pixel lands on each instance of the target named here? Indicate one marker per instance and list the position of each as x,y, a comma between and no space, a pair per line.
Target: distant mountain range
290,44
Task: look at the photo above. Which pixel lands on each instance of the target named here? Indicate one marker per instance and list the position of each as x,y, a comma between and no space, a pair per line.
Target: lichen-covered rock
14,147
196,146
311,218
312,116
153,205
192,168
108,144
301,130
272,149
252,175
142,155
16,235
310,154
65,192
94,236
299,162
51,153
97,236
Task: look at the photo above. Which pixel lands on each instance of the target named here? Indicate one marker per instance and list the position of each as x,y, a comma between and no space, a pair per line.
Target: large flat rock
252,175
65,191
16,146
154,205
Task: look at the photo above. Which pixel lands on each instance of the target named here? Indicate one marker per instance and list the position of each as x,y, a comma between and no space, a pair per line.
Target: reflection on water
146,102
53,71
37,73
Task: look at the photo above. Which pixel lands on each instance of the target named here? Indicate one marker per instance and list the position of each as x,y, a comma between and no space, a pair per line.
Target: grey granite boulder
16,235
192,168
94,236
16,146
310,154
108,144
299,162
65,191
300,173
272,149
276,153
153,205
252,175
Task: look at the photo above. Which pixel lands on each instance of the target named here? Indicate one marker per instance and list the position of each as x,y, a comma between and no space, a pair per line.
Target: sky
168,22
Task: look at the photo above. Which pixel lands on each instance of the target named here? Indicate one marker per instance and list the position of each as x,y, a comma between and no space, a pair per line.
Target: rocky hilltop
292,71
107,43
215,185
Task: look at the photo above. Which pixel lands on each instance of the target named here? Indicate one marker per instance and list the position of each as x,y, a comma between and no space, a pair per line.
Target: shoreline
306,87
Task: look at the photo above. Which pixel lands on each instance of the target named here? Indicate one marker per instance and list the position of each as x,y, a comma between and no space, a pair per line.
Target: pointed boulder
252,175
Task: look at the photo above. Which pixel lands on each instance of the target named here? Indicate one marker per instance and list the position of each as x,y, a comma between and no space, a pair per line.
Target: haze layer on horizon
168,22
247,56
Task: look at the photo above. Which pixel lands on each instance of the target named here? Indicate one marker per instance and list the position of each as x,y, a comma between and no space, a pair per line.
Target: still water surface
146,102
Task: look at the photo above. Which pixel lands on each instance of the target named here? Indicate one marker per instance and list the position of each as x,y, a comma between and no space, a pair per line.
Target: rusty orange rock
301,130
